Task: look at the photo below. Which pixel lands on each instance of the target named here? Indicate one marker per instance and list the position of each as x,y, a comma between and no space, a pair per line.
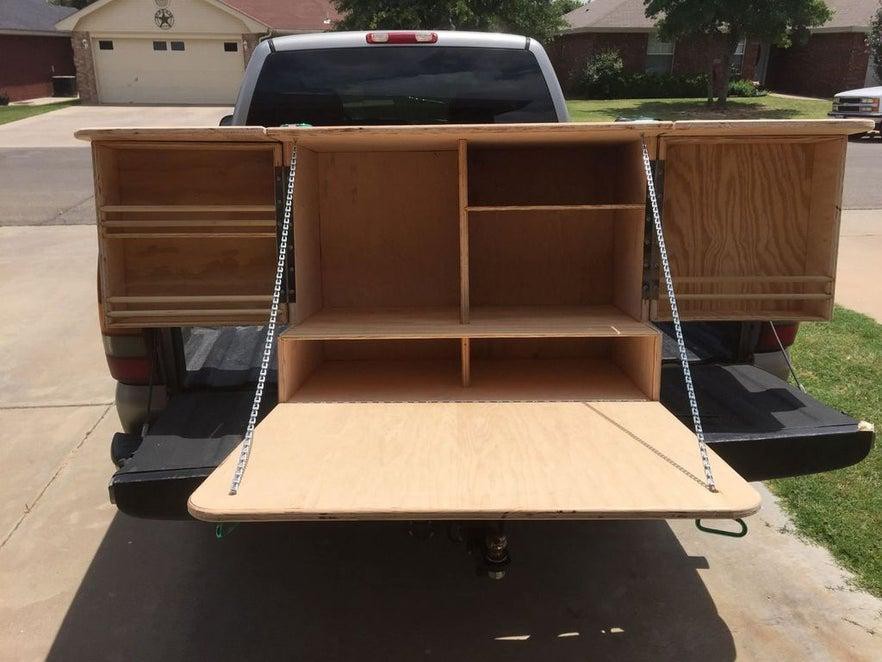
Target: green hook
723,532
221,531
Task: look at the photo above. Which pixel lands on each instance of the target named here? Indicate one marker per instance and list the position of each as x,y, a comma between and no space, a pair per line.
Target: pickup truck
864,103
185,392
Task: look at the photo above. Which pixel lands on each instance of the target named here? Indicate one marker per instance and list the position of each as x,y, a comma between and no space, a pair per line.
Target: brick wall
569,52
82,54
823,66
29,62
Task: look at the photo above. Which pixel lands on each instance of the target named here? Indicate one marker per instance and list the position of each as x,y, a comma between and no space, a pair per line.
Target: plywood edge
181,134
770,127
448,136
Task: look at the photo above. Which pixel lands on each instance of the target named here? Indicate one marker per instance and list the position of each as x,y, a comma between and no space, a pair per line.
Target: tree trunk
726,62
710,80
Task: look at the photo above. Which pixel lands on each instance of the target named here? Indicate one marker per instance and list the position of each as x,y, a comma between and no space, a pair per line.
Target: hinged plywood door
751,226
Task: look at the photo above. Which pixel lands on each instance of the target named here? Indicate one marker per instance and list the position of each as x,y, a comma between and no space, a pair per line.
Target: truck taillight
767,341
402,37
127,357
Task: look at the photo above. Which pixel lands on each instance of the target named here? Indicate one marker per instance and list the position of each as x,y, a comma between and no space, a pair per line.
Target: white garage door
168,71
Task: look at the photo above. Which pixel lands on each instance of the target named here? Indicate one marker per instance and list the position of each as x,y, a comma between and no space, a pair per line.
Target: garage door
168,71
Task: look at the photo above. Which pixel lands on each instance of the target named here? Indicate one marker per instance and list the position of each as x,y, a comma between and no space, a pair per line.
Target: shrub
745,88
601,75
4,99
604,77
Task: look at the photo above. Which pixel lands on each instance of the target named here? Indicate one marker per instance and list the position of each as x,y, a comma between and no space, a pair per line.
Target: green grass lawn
767,107
13,113
840,363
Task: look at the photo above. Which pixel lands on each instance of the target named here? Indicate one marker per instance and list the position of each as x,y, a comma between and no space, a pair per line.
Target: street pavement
79,581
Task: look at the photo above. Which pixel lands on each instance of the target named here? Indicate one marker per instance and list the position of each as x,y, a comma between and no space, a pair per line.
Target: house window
231,46
177,45
160,45
659,55
105,45
738,58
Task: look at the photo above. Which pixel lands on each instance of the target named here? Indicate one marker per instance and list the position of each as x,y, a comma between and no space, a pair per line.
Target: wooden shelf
187,208
190,235
485,208
486,322
188,223
438,380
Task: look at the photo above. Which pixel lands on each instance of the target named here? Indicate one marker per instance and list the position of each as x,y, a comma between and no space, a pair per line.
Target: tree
722,24
874,41
540,19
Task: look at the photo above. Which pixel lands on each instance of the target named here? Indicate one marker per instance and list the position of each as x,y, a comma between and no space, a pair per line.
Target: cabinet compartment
373,370
382,231
613,368
584,174
562,258
187,232
596,368
751,226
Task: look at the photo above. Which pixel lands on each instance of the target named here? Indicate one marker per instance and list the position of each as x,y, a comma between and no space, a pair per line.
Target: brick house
33,51
193,52
834,58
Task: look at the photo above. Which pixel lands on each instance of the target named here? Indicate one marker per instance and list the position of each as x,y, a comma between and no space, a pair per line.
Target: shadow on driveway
169,591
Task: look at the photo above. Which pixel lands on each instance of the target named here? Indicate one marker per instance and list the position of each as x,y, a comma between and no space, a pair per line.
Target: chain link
675,316
287,222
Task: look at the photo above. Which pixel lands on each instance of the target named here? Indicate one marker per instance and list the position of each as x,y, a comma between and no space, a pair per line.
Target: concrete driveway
45,173
82,582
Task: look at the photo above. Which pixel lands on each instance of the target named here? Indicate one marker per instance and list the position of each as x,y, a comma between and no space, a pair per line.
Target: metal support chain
675,316
287,222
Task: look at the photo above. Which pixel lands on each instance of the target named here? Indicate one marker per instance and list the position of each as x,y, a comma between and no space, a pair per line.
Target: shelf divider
463,163
597,207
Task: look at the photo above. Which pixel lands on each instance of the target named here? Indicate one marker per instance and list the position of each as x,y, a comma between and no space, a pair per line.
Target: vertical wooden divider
463,232
464,312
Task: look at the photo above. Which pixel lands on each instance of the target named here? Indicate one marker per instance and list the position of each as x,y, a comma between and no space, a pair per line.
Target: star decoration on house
164,19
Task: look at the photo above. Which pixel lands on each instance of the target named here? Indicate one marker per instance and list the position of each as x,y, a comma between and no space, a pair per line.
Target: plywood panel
555,258
193,176
571,175
487,322
740,210
462,460
390,229
307,236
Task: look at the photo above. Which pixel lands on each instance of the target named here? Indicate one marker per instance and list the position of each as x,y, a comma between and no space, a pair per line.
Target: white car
865,102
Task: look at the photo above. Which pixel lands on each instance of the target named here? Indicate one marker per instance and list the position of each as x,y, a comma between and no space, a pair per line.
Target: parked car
864,103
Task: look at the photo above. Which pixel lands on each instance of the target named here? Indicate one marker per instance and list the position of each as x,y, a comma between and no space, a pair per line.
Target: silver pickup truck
195,385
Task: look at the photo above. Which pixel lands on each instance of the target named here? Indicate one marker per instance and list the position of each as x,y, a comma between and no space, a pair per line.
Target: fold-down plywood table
472,460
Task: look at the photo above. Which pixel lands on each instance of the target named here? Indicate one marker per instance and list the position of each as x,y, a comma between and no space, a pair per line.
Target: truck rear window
400,85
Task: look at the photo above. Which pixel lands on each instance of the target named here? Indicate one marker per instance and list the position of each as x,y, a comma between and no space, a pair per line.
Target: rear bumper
763,427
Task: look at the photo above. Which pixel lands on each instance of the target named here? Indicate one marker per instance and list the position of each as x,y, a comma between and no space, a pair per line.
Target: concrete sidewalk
859,269
81,582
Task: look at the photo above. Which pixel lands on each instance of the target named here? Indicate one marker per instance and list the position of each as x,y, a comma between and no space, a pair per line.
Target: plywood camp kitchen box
469,307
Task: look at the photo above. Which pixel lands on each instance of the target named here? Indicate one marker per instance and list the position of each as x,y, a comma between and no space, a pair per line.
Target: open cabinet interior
187,232
469,273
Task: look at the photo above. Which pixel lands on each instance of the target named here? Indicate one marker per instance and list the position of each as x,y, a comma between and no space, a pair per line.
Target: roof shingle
610,15
289,15
31,15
